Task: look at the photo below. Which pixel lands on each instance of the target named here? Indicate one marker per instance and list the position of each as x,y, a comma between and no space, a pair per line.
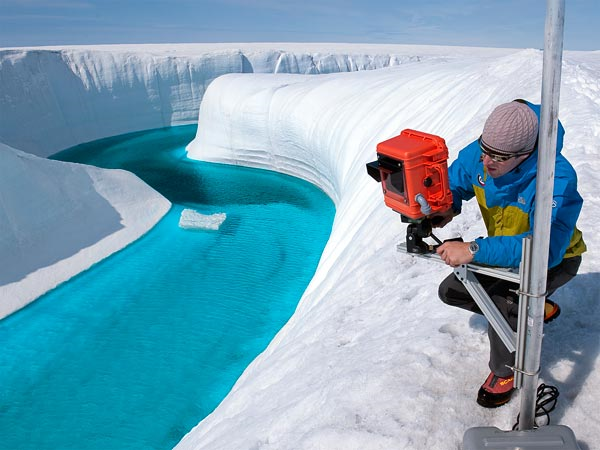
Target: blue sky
486,23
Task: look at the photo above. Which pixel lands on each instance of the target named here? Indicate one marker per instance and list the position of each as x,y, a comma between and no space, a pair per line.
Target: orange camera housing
413,170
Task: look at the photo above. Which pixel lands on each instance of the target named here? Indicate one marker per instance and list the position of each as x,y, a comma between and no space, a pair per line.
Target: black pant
453,293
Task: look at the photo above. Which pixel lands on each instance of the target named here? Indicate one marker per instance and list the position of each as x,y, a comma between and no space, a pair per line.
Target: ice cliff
53,98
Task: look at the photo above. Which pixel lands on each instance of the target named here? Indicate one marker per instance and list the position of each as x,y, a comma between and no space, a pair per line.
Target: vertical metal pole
522,329
553,47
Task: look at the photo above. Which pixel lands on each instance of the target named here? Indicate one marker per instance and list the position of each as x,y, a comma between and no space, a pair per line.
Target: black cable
547,397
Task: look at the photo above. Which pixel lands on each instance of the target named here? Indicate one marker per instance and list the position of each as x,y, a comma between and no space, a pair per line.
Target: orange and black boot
496,391
551,311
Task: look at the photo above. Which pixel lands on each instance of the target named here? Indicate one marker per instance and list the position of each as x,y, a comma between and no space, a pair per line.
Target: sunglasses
498,156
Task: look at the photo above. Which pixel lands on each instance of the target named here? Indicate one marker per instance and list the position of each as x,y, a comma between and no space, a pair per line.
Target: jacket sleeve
460,175
500,251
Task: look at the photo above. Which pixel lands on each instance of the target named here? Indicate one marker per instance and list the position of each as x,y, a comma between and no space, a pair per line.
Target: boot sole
490,400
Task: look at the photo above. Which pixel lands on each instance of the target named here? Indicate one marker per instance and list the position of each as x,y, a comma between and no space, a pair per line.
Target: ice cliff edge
53,98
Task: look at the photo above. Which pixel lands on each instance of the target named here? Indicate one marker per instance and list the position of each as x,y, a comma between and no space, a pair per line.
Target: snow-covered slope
372,359
59,218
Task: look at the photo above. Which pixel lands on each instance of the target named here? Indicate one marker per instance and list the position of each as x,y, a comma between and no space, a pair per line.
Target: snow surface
370,359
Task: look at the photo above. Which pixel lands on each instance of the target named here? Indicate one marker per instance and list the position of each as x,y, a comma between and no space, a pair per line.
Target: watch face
473,247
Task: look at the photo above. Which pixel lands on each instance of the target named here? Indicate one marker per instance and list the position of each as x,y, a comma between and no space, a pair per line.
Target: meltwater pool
134,352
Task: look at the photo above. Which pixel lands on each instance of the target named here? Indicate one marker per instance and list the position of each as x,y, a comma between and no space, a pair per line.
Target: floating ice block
193,220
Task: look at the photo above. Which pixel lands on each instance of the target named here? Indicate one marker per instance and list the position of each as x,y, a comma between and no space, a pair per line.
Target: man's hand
442,219
455,253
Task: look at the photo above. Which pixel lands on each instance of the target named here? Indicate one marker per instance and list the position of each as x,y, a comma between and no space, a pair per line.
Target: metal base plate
551,437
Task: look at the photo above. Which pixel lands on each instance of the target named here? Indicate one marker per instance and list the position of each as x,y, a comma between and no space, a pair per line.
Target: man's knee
447,289
443,292
453,293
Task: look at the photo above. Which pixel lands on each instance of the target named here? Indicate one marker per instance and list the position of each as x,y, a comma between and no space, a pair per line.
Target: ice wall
53,98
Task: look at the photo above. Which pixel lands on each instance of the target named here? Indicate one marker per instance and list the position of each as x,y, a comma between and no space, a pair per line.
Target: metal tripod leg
487,306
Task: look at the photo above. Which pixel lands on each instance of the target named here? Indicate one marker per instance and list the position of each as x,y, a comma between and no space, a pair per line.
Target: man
500,171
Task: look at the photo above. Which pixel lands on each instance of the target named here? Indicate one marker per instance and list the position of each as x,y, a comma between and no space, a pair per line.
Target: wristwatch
473,247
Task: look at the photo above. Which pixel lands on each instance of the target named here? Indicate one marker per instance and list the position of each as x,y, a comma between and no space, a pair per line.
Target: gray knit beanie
511,128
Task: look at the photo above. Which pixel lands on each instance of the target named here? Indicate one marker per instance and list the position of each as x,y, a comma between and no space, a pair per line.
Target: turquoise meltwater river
134,352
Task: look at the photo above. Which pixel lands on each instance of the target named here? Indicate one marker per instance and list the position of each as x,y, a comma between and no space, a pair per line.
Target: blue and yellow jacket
507,204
